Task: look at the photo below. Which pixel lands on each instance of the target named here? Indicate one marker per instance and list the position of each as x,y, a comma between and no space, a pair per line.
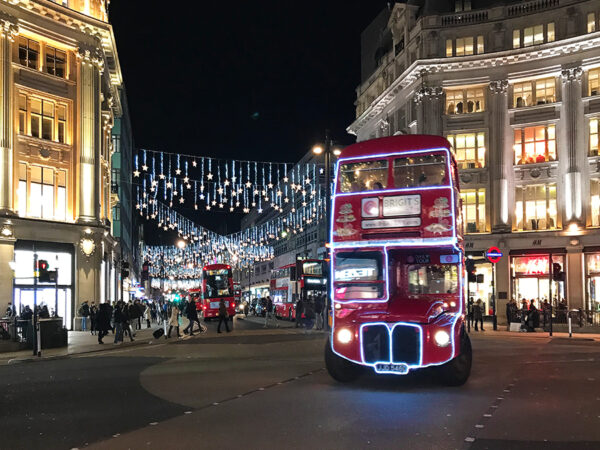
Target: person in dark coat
93,317
299,311
103,321
223,316
478,314
192,315
533,318
127,318
118,318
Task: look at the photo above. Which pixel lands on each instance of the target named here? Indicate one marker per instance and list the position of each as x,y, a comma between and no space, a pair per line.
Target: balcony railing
531,7
465,18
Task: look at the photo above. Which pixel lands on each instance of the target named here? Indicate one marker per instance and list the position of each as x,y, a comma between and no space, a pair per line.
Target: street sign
493,254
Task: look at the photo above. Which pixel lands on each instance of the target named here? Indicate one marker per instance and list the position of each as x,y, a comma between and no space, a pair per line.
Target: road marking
153,423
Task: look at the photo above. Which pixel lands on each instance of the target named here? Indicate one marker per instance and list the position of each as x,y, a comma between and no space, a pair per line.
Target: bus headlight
442,338
344,336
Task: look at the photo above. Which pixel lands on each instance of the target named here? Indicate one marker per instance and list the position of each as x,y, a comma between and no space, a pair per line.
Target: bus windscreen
364,176
425,170
217,283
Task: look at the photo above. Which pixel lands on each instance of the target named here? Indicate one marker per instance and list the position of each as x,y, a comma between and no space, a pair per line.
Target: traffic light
557,273
44,275
125,269
470,266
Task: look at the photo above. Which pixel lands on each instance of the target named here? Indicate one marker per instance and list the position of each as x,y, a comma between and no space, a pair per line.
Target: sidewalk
82,342
537,335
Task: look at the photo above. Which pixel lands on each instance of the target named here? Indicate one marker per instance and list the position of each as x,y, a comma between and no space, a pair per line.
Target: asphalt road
263,389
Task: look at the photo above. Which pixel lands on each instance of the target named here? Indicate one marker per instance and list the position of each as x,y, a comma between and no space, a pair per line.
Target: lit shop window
594,82
469,149
42,192
464,101
535,92
533,35
591,22
465,46
594,125
595,202
473,209
29,52
42,118
535,144
535,207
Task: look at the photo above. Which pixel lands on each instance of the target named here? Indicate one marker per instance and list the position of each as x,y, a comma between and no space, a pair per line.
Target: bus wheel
339,368
456,372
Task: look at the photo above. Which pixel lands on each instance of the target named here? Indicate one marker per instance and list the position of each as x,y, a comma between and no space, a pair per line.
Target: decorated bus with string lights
397,261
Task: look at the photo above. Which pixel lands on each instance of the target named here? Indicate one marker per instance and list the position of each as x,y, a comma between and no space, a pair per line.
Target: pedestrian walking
309,316
470,306
103,321
192,315
148,315
270,313
319,306
93,319
174,322
478,314
127,322
223,316
84,313
118,320
299,311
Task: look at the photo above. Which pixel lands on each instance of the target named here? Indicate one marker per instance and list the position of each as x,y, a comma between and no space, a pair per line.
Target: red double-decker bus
217,284
304,279
397,261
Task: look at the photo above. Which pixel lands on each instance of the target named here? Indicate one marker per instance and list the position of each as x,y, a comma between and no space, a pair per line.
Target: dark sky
249,80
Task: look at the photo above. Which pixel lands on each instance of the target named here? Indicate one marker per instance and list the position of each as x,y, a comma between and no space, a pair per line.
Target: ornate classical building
515,87
60,94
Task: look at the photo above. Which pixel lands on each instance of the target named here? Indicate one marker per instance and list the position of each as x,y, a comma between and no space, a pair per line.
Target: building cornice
457,64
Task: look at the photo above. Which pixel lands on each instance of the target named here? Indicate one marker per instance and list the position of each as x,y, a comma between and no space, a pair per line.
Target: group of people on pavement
475,312
310,313
528,314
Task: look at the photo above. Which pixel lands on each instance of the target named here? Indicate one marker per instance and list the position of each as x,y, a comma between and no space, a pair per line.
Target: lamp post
328,149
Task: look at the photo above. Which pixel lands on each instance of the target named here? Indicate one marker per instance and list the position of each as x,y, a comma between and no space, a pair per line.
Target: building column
499,161
7,254
572,138
430,110
90,134
8,30
575,277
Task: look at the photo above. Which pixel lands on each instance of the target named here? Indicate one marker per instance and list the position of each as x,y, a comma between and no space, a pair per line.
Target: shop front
538,277
481,285
592,277
58,297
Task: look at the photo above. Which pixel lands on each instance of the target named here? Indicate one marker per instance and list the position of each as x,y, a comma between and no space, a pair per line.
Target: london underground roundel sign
493,254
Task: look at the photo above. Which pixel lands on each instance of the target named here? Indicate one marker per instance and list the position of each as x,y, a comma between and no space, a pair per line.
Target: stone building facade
59,96
514,86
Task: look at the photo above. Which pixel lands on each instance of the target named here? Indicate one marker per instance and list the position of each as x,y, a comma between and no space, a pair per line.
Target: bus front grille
406,344
375,343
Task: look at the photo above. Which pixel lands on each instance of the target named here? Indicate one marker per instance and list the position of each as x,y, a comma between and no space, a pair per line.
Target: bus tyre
456,372
339,368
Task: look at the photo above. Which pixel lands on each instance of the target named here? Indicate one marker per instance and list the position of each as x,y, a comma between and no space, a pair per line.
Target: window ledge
540,165
591,97
43,143
535,107
475,114
49,76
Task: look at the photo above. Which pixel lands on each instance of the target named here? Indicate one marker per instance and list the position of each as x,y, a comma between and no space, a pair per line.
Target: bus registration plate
402,205
401,369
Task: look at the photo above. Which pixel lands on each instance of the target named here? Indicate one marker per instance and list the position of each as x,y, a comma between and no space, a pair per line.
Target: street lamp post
328,149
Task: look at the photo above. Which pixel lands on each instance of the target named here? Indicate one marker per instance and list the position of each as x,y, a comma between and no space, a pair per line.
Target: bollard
570,328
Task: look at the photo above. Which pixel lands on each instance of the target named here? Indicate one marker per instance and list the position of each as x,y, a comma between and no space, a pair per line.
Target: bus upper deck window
426,170
363,176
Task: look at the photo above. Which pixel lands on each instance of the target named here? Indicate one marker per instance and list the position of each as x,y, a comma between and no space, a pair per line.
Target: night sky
248,80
